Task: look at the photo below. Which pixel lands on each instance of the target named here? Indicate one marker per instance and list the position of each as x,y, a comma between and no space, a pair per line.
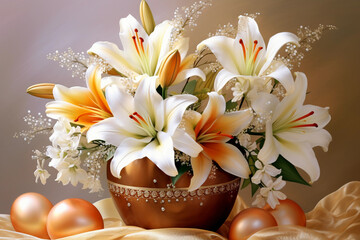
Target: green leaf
110,154
261,142
230,105
254,188
288,171
246,182
182,168
190,87
159,90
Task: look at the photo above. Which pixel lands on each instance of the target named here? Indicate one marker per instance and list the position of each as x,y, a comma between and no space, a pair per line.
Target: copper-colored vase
145,197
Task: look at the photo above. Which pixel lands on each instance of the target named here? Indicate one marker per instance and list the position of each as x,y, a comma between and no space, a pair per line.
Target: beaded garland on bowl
172,205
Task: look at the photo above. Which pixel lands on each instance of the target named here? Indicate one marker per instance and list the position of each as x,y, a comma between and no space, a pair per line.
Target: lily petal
159,44
161,152
121,103
320,137
214,108
232,123
185,143
291,102
229,158
149,102
128,27
71,95
182,45
201,166
223,49
57,109
115,57
187,73
175,107
110,130
268,153
284,76
222,78
93,81
127,152
301,155
321,115
275,43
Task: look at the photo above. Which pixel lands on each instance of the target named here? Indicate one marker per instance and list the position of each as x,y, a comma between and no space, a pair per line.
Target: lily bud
203,87
169,68
42,90
147,18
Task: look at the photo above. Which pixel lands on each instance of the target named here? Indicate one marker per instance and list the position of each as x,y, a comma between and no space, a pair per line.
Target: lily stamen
135,43
140,117
306,125
142,44
225,135
305,116
243,48
257,52
255,43
135,119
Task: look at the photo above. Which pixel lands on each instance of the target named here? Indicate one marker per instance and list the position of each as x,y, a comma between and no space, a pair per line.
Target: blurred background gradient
29,30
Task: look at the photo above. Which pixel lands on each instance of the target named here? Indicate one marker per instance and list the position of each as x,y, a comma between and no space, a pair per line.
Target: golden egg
73,216
288,212
248,222
29,214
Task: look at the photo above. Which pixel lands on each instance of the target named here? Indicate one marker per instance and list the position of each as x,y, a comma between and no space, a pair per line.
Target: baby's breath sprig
37,124
293,54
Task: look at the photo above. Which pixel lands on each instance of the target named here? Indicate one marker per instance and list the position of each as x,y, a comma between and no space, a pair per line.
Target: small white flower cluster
264,175
270,193
66,154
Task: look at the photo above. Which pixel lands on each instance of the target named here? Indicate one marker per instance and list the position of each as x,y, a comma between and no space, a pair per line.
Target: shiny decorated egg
73,216
248,222
288,212
29,214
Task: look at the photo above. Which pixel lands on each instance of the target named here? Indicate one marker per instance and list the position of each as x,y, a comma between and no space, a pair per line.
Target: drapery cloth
337,216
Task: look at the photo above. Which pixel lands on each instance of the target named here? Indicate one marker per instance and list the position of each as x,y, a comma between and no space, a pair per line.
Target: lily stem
242,101
164,92
256,133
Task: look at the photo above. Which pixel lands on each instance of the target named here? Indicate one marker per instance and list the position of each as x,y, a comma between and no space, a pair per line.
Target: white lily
211,131
247,58
143,53
142,126
294,129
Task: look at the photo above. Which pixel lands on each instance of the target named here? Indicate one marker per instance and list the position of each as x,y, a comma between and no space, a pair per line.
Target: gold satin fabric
337,216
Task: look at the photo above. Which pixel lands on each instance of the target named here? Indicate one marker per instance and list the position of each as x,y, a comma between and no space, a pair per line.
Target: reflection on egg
248,222
288,212
73,216
29,214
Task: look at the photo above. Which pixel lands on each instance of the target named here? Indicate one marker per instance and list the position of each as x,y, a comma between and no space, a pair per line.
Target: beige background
29,30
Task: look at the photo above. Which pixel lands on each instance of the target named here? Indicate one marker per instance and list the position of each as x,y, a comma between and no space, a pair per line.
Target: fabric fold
337,216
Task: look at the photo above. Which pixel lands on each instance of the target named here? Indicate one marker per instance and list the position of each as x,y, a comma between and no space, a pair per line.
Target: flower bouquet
232,108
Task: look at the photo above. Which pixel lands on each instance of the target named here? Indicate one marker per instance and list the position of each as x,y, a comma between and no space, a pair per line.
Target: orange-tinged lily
212,130
83,106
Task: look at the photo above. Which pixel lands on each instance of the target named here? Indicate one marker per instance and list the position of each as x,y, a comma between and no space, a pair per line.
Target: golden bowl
145,197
